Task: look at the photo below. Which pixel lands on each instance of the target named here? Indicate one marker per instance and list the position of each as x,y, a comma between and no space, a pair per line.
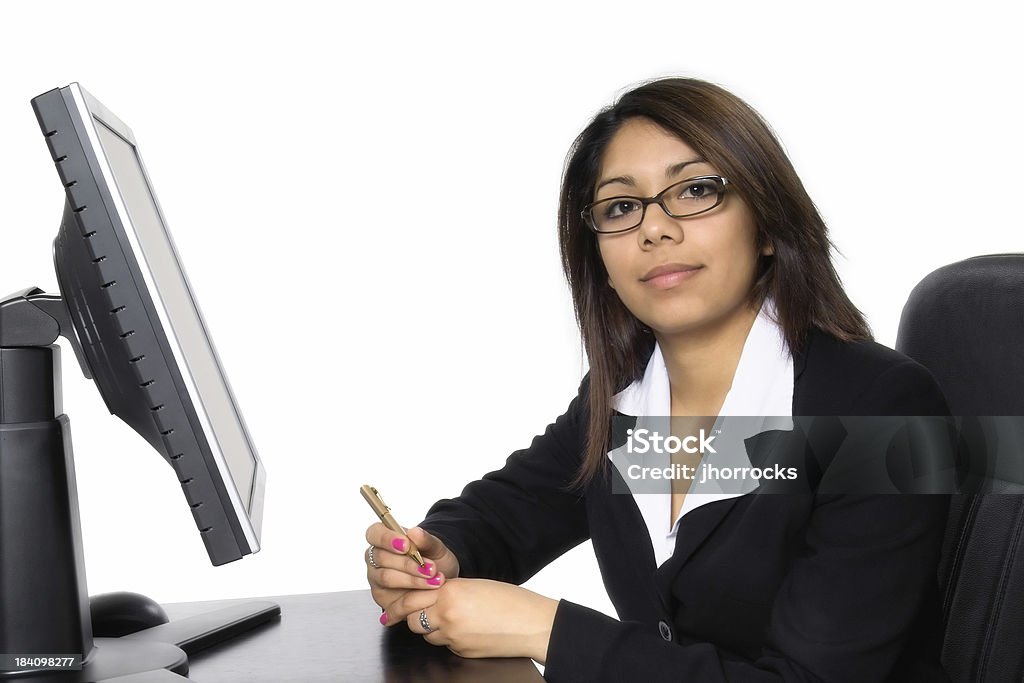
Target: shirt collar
762,385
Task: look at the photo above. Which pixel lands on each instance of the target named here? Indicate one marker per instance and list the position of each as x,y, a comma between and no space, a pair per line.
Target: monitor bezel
83,108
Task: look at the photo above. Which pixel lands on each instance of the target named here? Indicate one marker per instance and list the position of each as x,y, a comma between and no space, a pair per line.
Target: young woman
701,276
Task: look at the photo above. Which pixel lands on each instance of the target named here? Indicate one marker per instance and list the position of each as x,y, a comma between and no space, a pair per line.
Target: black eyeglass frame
720,181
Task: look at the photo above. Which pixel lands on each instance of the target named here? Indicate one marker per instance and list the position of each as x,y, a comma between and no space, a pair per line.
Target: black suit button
665,631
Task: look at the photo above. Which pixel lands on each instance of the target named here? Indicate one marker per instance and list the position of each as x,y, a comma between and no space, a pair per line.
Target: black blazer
759,587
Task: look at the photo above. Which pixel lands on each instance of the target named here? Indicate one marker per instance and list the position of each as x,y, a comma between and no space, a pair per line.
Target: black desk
336,637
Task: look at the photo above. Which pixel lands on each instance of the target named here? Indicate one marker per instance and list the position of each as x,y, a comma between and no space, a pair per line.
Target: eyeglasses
687,198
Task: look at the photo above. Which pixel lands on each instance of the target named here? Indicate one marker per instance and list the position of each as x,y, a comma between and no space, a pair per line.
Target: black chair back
965,323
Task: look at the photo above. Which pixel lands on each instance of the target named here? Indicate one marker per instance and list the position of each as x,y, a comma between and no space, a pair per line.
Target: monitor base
44,610
201,631
158,654
116,660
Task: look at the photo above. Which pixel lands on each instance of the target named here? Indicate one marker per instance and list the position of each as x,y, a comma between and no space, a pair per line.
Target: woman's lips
664,277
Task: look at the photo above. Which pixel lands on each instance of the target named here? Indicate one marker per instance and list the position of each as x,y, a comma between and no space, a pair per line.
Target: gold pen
372,497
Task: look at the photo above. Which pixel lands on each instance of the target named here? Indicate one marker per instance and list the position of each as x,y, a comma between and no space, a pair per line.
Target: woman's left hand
484,618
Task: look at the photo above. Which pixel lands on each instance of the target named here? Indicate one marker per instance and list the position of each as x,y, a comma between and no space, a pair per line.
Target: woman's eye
698,190
620,208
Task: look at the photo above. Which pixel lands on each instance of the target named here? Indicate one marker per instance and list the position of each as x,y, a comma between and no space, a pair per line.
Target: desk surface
336,637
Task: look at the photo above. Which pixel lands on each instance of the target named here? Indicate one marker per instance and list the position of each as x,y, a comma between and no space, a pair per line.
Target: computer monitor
129,313
137,322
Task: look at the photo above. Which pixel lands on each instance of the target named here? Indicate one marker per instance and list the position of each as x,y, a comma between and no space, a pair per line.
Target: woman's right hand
395,573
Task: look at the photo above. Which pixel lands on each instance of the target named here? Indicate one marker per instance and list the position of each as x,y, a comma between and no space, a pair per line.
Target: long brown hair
732,137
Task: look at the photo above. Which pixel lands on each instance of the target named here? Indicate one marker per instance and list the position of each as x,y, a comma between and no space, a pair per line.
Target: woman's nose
656,225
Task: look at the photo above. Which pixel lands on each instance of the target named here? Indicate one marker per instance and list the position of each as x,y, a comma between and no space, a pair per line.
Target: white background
364,202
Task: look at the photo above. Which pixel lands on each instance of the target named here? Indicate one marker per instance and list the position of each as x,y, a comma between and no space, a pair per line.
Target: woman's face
676,275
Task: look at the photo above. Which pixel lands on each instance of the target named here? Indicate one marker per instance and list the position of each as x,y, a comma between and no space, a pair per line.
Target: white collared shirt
762,386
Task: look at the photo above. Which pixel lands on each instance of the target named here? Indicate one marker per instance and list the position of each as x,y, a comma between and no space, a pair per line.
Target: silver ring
370,560
423,621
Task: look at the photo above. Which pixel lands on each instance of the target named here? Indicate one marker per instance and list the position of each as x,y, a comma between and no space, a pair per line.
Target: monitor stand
44,602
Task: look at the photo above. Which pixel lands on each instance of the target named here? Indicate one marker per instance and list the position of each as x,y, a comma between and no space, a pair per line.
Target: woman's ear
768,250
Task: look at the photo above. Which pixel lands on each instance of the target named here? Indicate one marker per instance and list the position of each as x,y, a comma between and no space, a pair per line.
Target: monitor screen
182,315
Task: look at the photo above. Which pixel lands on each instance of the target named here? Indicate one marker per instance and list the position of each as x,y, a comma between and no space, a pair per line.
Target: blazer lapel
626,515
623,549
697,525
612,494
694,529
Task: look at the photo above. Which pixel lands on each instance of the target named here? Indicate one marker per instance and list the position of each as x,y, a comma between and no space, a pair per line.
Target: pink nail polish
384,619
426,569
398,544
436,581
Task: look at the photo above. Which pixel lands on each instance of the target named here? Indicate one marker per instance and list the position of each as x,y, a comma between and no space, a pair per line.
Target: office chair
965,323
